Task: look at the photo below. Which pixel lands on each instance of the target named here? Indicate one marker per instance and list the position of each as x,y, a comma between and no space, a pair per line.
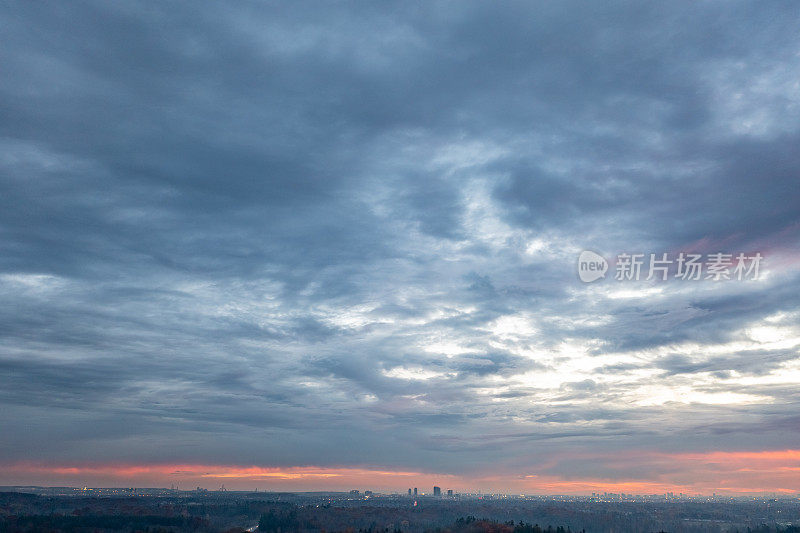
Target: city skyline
367,494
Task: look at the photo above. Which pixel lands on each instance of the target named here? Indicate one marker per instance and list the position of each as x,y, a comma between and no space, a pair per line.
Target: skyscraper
415,491
409,492
437,491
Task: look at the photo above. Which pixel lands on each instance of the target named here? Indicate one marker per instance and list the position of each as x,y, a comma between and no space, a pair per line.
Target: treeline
273,522
777,529
470,524
77,524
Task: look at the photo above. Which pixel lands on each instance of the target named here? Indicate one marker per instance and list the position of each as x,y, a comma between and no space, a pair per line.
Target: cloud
347,238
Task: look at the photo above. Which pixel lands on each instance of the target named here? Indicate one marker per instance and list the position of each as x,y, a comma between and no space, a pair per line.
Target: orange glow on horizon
690,473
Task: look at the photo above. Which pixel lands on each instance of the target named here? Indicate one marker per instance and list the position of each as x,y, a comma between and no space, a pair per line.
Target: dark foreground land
69,510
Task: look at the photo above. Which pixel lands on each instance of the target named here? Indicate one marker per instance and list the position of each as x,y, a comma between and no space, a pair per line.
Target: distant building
367,493
409,492
415,491
354,491
437,491
450,493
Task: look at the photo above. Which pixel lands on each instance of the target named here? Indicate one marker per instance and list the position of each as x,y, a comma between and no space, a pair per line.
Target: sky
324,246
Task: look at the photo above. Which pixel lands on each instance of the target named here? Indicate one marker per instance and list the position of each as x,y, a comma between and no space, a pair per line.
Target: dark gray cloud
246,233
